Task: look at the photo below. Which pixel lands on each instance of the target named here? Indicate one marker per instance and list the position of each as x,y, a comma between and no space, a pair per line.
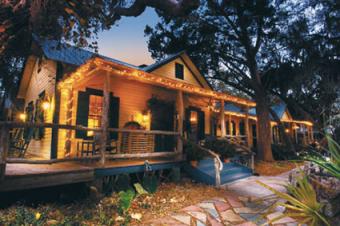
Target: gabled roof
69,54
160,63
187,60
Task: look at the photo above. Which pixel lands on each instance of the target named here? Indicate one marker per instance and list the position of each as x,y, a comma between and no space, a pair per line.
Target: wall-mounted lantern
22,117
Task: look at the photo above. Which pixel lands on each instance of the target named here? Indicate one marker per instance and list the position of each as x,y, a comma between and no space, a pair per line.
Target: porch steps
205,172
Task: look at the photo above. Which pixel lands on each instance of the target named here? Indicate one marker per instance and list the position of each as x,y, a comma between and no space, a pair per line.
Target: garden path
240,205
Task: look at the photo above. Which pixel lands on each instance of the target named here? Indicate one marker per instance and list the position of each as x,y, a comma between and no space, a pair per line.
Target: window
95,112
179,71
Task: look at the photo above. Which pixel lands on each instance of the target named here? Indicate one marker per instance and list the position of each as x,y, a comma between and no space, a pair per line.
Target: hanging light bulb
46,105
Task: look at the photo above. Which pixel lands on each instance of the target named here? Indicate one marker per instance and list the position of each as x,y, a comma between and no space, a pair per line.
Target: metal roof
69,54
279,109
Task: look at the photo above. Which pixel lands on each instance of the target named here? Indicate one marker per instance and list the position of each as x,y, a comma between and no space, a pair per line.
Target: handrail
12,124
218,165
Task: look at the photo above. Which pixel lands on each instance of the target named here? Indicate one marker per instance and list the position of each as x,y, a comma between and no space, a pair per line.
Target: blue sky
126,42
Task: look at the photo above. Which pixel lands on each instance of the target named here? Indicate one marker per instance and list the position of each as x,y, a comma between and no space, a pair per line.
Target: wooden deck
21,176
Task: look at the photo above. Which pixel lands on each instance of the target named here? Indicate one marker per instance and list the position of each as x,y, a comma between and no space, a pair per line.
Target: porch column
105,116
180,111
312,133
230,126
246,127
223,129
304,134
296,133
4,141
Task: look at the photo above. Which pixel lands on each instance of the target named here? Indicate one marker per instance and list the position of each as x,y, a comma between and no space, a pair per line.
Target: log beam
222,120
246,127
105,117
180,111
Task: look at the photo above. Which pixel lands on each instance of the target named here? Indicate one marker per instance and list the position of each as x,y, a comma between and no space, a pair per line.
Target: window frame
179,71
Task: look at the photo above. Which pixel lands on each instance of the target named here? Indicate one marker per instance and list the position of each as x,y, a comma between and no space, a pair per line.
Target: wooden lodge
79,105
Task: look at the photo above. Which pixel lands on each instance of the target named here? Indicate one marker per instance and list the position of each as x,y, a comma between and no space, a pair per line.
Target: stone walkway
241,204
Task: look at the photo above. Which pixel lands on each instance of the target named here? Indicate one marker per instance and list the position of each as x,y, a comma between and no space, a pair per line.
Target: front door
162,118
195,124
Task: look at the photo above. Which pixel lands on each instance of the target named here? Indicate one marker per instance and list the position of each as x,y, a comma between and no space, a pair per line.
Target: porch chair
19,142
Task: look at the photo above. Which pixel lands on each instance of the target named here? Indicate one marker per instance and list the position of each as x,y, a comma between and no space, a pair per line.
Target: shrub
193,151
281,152
221,147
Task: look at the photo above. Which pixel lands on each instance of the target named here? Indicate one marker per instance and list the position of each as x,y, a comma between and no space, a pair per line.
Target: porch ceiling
99,65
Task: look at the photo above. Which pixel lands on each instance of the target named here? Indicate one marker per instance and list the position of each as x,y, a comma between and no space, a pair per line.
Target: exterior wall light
22,117
46,105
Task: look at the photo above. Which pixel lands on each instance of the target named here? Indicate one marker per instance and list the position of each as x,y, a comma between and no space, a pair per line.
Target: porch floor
21,176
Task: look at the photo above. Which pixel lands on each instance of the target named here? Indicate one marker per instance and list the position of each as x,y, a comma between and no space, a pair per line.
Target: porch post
296,133
223,129
4,140
105,116
312,133
246,127
230,126
304,134
180,111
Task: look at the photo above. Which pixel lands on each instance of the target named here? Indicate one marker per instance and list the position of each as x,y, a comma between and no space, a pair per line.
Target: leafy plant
193,151
332,164
140,190
125,200
302,201
150,183
221,146
281,152
25,217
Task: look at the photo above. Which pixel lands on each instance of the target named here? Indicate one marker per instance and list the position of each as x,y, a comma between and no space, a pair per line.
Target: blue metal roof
70,54
230,107
279,109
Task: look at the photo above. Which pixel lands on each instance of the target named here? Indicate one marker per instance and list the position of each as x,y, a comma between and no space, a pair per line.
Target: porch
30,175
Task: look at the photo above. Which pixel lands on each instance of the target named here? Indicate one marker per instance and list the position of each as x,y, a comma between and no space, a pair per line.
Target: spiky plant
332,164
301,202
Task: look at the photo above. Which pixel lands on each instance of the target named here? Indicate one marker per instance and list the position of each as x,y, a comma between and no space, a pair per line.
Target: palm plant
301,201
332,164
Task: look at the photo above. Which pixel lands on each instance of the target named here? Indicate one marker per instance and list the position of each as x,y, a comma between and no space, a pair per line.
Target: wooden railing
218,165
145,143
237,139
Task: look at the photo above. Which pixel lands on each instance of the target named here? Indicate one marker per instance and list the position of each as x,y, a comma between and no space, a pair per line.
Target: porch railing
118,144
218,165
237,139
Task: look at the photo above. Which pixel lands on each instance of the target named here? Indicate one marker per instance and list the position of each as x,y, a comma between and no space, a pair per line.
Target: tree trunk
263,127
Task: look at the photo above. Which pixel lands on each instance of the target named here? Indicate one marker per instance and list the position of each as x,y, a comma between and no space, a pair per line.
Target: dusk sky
126,42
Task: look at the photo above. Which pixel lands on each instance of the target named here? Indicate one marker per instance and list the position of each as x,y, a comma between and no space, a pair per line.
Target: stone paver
243,207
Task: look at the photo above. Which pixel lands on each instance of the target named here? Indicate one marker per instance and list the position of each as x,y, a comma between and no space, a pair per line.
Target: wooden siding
168,70
42,79
133,102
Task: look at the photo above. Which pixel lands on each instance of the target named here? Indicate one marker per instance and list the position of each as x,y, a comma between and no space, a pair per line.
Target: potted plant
193,153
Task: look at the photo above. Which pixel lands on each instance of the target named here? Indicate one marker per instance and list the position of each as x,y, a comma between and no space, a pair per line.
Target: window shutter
82,113
114,115
201,125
